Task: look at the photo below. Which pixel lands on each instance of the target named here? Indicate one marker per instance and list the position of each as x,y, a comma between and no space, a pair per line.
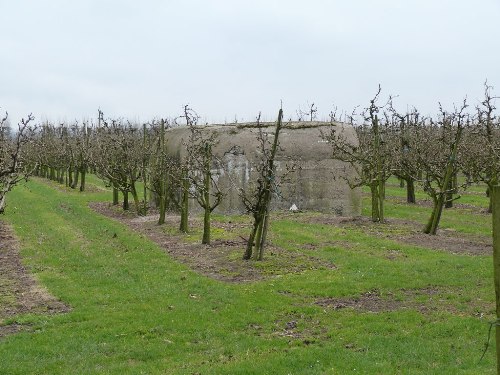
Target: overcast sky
64,59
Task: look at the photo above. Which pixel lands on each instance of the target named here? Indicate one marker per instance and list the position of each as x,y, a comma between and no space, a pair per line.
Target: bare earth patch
428,203
20,293
450,241
410,232
424,300
222,260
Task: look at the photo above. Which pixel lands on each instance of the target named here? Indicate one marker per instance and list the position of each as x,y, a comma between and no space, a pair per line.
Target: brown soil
20,293
410,232
301,327
428,203
450,241
424,300
222,259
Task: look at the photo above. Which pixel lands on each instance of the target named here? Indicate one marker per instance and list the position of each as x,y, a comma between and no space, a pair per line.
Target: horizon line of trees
133,159
442,154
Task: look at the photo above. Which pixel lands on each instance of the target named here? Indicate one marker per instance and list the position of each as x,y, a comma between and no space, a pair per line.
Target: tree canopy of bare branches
13,157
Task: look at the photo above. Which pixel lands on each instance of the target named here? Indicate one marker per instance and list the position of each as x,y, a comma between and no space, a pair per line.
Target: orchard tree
52,152
371,156
309,114
14,165
159,167
406,166
202,174
257,197
118,157
436,147
79,143
482,144
199,172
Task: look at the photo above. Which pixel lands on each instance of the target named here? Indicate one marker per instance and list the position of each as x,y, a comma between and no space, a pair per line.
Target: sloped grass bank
136,310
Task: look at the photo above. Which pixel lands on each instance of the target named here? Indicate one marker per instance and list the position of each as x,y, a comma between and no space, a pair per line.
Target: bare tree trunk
83,172
495,193
115,195
206,226
163,204
143,172
84,166
491,184
257,240
251,239
135,197
432,225
207,180
184,202
449,195
75,179
126,205
258,249
162,193
162,198
260,240
380,172
70,176
410,190
381,196
206,199
375,204
263,240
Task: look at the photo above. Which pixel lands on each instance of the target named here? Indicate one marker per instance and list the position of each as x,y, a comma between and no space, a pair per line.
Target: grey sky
141,59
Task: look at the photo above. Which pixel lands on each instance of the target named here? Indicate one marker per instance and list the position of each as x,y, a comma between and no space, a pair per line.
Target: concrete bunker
318,184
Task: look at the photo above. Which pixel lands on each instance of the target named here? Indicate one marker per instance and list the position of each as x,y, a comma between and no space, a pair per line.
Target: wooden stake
496,263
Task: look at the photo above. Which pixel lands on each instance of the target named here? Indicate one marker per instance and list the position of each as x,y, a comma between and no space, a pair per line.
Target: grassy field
386,306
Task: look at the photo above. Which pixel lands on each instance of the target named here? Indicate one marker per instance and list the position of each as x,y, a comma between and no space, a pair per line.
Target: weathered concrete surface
318,184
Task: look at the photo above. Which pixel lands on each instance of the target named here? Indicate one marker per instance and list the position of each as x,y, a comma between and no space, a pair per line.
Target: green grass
136,310
471,220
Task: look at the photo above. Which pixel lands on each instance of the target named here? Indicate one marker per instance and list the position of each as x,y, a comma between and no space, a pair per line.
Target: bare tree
13,166
436,147
118,157
309,114
406,167
481,156
202,175
199,171
371,156
191,118
257,199
158,171
81,153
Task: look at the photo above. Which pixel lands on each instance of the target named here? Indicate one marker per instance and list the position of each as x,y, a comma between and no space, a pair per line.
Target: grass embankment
136,310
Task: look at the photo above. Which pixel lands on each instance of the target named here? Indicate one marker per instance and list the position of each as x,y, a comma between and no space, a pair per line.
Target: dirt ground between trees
410,232
20,293
425,300
222,259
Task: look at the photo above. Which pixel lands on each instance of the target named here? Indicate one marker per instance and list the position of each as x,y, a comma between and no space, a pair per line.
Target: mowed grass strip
135,310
